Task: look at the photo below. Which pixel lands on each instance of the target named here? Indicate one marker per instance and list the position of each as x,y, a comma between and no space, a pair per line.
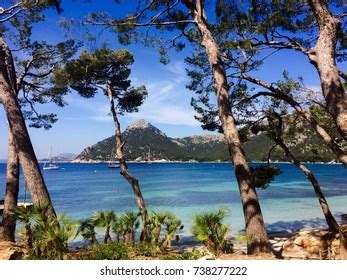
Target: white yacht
49,164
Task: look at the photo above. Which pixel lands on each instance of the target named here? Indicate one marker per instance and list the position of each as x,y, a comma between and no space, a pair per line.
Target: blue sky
86,121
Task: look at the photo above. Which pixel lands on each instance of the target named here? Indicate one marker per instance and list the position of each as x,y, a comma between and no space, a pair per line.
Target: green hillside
144,142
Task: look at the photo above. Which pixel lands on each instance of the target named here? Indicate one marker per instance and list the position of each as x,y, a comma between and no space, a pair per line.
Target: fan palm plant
45,237
87,230
118,229
104,219
172,225
23,214
209,229
51,236
130,224
155,222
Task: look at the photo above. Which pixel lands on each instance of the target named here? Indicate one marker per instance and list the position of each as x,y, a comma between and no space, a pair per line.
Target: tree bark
12,169
36,185
343,243
28,235
255,227
333,225
323,57
12,189
124,171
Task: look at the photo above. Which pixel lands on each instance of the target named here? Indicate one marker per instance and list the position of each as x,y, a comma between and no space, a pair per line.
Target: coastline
190,161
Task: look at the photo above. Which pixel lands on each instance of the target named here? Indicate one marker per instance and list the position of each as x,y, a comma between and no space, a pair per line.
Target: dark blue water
188,188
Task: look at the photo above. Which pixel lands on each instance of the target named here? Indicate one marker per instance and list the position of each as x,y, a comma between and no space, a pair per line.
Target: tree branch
32,107
40,75
343,75
117,23
282,45
306,114
260,83
21,77
153,19
10,16
13,10
143,10
9,10
341,15
270,153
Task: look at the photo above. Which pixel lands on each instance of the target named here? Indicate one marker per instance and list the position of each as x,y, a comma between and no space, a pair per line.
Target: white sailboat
49,165
113,164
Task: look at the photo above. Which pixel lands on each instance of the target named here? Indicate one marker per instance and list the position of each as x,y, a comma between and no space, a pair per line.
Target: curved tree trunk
323,57
333,225
124,171
255,227
36,185
12,189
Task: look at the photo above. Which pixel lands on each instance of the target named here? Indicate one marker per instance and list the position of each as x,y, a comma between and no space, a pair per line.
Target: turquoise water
188,188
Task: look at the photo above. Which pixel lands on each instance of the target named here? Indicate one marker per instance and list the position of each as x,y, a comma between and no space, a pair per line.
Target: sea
186,189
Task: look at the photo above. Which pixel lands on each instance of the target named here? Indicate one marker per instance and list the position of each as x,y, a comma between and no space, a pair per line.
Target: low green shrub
209,229
119,251
110,251
193,255
145,249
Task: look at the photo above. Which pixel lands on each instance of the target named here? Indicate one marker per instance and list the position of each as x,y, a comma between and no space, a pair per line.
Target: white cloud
95,109
168,102
177,69
167,115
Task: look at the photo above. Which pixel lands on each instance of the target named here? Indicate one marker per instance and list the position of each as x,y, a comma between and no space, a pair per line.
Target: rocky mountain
145,142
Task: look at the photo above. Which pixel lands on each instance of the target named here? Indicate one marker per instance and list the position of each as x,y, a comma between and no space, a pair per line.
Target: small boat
19,204
113,165
49,165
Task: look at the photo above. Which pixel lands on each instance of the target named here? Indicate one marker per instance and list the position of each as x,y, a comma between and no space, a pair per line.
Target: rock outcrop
318,244
10,251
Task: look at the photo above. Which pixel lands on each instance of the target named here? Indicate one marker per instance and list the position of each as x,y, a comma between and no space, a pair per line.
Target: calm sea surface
188,188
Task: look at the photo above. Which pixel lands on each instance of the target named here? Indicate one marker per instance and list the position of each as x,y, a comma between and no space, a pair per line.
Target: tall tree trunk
124,171
323,57
333,226
343,243
26,154
12,169
255,227
12,189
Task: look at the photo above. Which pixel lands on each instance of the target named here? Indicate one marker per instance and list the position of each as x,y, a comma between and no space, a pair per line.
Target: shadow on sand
297,225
